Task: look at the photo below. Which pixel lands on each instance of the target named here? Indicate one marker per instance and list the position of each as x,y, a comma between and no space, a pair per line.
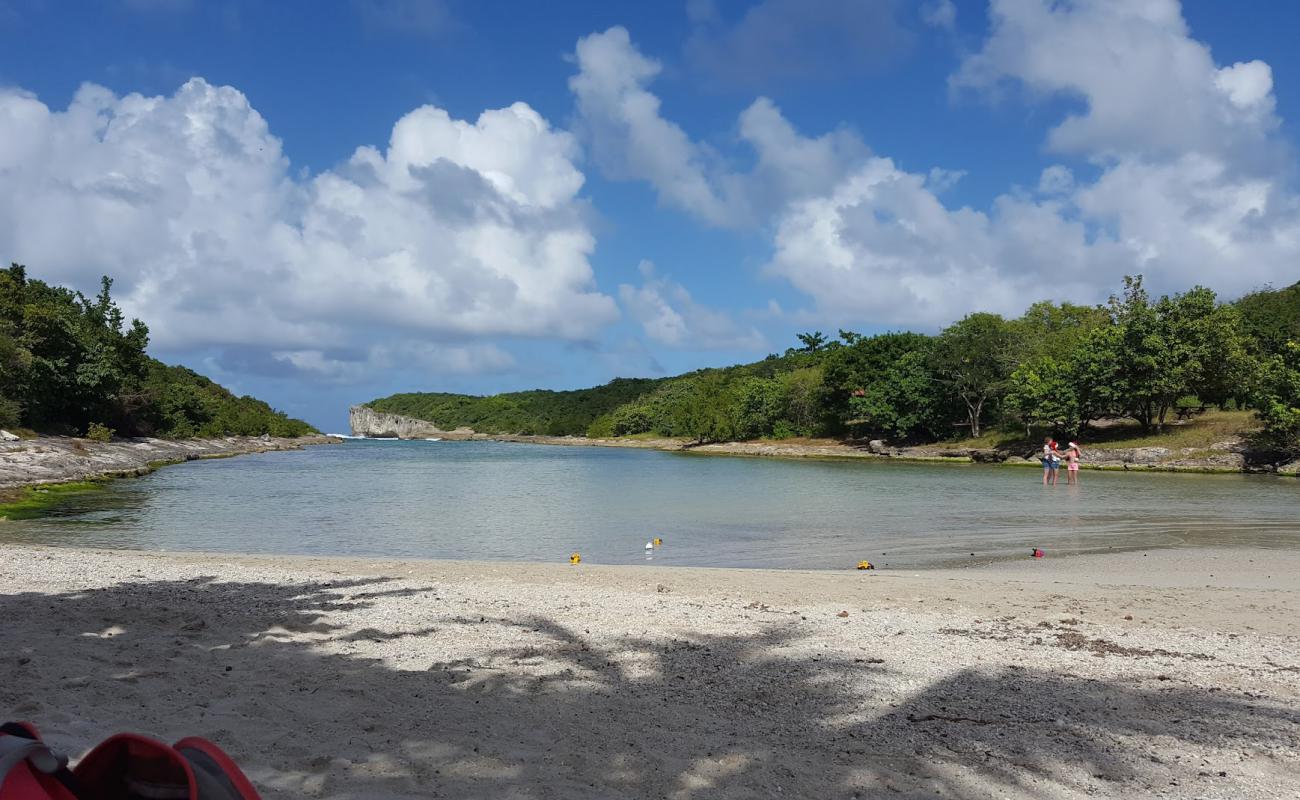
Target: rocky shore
60,459
1228,456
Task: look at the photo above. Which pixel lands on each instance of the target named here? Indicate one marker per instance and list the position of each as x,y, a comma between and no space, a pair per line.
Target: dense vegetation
540,411
71,364
1056,368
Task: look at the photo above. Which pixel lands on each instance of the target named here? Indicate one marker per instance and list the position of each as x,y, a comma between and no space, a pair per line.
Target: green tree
901,401
801,396
760,406
1041,393
67,359
858,366
1179,345
973,358
708,411
812,342
1049,330
1271,318
1277,396
1092,369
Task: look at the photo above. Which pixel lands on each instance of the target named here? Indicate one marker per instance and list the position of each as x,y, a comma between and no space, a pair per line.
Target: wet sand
1169,674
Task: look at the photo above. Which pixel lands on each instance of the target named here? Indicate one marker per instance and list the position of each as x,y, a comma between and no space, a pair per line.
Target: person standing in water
1073,455
1051,461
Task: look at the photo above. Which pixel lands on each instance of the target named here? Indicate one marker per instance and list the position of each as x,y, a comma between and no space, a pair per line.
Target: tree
1271,318
1277,397
68,362
1092,368
902,400
860,365
760,407
973,358
1041,393
801,395
1180,345
1053,331
812,342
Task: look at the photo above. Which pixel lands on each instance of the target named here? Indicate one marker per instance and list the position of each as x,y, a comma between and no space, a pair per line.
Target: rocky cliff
365,421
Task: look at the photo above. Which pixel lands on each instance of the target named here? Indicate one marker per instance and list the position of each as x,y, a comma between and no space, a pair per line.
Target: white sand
371,679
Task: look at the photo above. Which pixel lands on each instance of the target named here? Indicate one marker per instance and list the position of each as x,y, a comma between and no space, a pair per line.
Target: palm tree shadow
315,696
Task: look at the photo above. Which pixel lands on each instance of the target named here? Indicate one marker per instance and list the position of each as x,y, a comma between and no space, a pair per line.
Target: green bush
11,413
99,433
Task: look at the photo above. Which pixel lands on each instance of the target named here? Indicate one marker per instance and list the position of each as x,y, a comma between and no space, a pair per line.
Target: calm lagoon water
494,500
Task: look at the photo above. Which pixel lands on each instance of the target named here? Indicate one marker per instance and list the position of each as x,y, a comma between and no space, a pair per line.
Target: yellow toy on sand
866,565
576,558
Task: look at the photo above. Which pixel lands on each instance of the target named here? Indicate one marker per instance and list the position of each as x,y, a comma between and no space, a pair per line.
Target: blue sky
655,187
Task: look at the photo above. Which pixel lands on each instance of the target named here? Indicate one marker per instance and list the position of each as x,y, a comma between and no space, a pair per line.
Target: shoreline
835,450
1214,567
1093,676
55,460
1227,457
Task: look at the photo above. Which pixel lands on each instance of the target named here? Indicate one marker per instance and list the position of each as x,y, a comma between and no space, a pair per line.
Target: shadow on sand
311,707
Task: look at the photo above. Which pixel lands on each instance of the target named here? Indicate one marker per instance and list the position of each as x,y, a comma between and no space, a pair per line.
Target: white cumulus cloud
1186,174
632,140
669,315
456,229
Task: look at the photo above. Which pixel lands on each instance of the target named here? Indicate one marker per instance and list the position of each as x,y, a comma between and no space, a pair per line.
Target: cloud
882,247
669,315
631,140
428,358
1148,88
418,18
1189,178
791,40
941,180
456,230
940,14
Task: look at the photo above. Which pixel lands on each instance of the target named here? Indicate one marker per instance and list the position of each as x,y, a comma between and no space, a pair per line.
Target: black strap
15,729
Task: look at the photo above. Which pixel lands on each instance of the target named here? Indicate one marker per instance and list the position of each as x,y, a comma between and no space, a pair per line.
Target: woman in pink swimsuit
1072,457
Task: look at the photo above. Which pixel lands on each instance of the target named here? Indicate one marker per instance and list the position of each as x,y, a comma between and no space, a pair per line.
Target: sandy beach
1144,674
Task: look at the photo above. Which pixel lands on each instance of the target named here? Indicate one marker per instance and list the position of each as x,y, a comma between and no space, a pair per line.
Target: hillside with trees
70,364
1057,368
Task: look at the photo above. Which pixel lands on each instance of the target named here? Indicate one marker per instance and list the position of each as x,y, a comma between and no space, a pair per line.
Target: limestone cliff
365,421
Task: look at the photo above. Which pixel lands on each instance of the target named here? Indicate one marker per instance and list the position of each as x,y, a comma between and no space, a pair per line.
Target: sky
321,203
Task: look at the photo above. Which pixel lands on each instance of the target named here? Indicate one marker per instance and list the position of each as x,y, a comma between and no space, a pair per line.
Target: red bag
123,767
28,769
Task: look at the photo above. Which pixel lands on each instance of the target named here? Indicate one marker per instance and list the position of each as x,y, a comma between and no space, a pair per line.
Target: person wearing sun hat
1073,455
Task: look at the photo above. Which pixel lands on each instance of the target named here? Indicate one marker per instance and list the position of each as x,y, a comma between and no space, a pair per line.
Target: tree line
1056,368
72,364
